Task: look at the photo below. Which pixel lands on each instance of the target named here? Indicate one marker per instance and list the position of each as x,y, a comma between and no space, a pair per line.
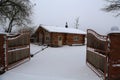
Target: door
59,40
41,38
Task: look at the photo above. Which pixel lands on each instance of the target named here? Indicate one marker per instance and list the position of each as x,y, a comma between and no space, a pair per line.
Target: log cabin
58,36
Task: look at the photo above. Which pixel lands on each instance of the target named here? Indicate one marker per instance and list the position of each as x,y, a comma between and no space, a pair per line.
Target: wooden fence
16,50
103,54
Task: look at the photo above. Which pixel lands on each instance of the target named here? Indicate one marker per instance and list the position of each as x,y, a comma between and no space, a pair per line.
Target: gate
14,50
103,54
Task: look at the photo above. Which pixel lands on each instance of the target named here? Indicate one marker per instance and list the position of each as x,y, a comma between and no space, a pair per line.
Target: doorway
59,40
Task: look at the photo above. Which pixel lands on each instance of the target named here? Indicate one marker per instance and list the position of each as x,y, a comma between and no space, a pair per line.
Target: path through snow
63,63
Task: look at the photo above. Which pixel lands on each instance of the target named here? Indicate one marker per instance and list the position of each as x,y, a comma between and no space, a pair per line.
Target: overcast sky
58,12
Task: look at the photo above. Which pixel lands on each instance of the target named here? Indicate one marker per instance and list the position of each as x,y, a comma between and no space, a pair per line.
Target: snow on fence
103,54
16,50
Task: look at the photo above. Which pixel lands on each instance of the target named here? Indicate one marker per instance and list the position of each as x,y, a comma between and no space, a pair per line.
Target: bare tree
27,29
15,12
77,22
113,6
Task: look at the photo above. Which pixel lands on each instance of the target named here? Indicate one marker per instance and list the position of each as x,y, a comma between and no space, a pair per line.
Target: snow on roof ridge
62,29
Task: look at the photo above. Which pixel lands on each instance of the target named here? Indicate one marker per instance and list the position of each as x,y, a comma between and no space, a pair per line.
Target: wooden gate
17,49
14,50
2,53
103,54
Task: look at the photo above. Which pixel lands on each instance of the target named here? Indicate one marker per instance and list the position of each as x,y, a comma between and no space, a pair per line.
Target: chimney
66,26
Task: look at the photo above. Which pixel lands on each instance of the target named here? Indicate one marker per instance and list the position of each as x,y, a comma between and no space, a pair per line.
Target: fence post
29,43
2,53
6,52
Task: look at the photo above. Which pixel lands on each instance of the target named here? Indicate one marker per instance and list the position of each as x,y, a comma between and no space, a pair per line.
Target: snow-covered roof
63,30
114,29
113,32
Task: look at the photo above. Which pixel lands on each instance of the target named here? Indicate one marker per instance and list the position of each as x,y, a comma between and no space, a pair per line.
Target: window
59,38
47,38
76,38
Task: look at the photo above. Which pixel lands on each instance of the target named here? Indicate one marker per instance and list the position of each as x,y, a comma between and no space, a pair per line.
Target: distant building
58,36
114,28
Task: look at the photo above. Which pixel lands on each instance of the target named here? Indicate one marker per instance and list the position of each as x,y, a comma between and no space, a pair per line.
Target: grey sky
58,12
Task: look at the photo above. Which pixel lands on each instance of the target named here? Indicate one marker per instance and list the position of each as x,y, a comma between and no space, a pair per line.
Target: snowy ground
63,63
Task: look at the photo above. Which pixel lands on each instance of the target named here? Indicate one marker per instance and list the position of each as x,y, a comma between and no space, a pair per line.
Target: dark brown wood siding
54,38
70,39
42,36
